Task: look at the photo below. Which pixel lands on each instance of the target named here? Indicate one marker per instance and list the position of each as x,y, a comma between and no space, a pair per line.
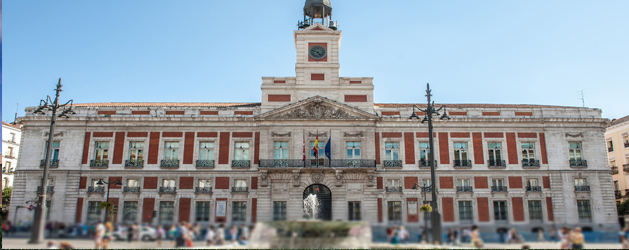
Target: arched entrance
325,200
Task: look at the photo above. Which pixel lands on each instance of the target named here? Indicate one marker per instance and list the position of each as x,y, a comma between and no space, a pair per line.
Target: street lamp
430,110
37,234
100,183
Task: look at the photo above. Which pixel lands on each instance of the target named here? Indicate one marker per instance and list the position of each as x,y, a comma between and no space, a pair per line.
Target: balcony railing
241,164
610,149
578,163
618,194
53,163
134,163
496,164
167,190
131,190
353,163
171,163
463,163
95,189
582,188
626,192
461,189
281,163
625,168
49,189
533,189
203,190
205,163
498,188
394,189
530,163
10,156
99,163
627,144
426,164
614,170
392,163
322,163
240,189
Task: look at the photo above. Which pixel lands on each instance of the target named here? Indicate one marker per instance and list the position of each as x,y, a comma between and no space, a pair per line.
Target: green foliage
6,195
110,209
623,208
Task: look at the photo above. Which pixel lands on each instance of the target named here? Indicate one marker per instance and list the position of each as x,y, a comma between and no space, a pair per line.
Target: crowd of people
454,236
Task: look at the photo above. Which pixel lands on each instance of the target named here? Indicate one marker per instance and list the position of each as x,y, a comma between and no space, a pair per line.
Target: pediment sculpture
317,110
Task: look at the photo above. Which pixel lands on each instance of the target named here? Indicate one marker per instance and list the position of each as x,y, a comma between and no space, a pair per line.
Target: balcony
393,189
353,163
49,189
205,163
426,164
240,189
167,190
610,149
104,163
626,192
131,190
392,163
530,163
625,168
464,189
462,163
241,164
495,189
96,189
578,163
281,163
53,163
10,156
618,194
533,189
627,144
614,170
134,163
203,190
582,188
496,164
169,164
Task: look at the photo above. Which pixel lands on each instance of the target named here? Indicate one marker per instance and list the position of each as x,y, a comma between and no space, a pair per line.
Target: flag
304,146
328,151
315,148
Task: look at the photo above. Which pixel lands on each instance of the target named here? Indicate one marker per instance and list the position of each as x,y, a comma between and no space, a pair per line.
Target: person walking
420,235
477,241
403,234
233,233
455,236
130,231
98,235
108,235
244,235
160,235
577,240
395,236
210,236
220,235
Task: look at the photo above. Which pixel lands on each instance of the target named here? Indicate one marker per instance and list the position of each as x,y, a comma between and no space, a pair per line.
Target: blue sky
512,52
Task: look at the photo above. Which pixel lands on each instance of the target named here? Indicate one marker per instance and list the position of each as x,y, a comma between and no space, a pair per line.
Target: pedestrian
137,232
180,235
220,235
540,235
190,236
210,236
624,236
420,234
565,238
130,231
52,245
171,234
395,235
160,235
403,234
467,233
450,236
244,235
477,241
108,235
233,233
577,240
99,233
553,235
457,237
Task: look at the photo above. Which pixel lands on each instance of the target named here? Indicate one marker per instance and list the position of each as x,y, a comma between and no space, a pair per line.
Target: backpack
178,233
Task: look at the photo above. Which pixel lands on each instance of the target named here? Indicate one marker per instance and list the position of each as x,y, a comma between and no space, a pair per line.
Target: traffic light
154,214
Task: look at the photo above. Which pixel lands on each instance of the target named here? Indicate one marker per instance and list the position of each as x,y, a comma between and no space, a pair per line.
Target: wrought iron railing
497,163
611,149
464,189
394,189
240,189
578,163
131,190
205,163
614,170
95,189
499,188
53,163
463,163
582,188
392,163
627,144
530,163
203,190
625,168
10,156
99,163
49,189
618,194
168,190
353,163
134,163
171,163
626,192
426,164
281,163
320,163
533,188
241,164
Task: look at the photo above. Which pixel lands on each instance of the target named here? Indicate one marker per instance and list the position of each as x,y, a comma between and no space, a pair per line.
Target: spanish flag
316,147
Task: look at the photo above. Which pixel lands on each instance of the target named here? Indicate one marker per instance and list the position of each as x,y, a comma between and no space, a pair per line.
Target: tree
6,196
623,208
109,206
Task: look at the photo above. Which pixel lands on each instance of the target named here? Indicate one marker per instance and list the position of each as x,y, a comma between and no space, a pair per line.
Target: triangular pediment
317,108
318,26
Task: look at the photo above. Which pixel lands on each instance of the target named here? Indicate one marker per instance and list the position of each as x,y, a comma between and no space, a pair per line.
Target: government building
497,165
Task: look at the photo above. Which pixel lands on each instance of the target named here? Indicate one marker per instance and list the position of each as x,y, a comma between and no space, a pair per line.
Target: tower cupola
317,10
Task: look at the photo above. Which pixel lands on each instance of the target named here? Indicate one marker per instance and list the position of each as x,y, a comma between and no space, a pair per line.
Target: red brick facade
147,210
477,140
409,182
143,112
391,135
186,182
494,135
207,134
256,152
242,134
153,148
515,182
184,209
483,209
188,148
480,182
175,112
379,183
446,182
518,208
106,112
254,210
425,135
324,59
512,148
279,98
448,209
209,112
222,182
527,135
79,209
150,182
409,147
457,113
355,98
546,181
460,134
118,148
172,134
377,148
542,144
523,113
379,209
83,182
317,77
491,113
390,113
113,179
86,147
444,148
137,134
254,182
223,151
103,134
549,208
243,112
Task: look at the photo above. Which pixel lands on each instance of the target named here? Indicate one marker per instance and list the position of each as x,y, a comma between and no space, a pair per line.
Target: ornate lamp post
101,182
430,110
37,233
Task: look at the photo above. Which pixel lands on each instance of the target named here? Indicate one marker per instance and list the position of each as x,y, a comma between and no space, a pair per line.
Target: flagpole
304,146
316,146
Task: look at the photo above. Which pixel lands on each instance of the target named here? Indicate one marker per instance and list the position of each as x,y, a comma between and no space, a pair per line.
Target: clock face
317,52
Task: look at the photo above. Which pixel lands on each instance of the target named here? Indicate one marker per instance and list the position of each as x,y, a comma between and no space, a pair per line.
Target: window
463,182
353,150
166,212
281,151
535,210
395,210
616,186
9,151
168,183
48,205
205,183
95,183
171,150
133,183
424,154
465,211
610,145
241,151
54,155
354,210
102,151
206,151
393,183
93,212
427,182
279,210
580,182
528,152
320,149
625,138
532,182
500,210
7,166
130,211
575,151
392,151
136,152
12,137
239,211
460,154
497,182
584,210
495,158
203,211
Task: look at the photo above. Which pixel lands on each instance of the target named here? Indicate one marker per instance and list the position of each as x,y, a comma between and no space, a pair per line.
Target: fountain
311,207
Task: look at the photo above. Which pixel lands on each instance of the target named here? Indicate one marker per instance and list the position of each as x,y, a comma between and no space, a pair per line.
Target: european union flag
327,149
